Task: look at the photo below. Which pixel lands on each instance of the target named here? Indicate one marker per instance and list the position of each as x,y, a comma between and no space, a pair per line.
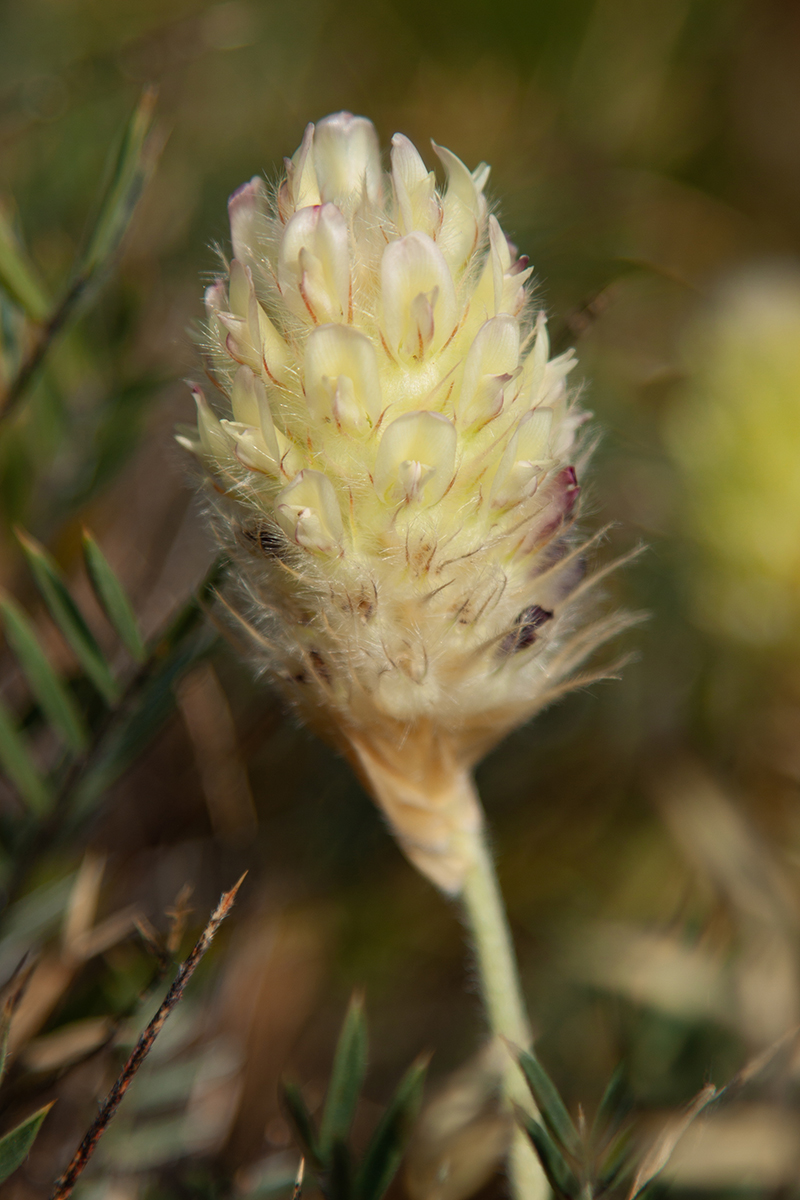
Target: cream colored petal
214,441
524,459
314,264
301,176
244,401
491,361
246,210
415,189
215,298
418,295
341,376
274,351
416,458
308,512
348,160
464,209
251,449
240,289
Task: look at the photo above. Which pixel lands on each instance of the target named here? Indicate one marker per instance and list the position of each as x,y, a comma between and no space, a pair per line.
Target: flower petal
491,361
246,210
341,376
419,299
416,458
308,512
415,189
314,264
348,160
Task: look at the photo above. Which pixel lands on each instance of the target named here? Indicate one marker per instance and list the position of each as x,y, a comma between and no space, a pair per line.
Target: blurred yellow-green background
647,158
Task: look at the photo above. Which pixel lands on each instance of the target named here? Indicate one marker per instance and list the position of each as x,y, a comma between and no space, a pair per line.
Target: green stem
502,997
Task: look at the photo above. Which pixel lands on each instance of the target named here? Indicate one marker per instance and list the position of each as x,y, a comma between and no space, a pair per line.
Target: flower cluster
392,463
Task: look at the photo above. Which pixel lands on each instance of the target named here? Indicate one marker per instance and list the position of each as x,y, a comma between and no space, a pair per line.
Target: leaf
132,167
551,1106
616,1161
53,696
135,729
615,1105
302,1123
68,616
16,1145
660,1152
19,767
113,598
385,1150
18,276
559,1175
347,1078
337,1180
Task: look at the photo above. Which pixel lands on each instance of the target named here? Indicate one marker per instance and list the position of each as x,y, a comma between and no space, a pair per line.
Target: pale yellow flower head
735,437
392,456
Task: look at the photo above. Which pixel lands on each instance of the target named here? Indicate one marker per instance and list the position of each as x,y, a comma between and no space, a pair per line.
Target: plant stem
486,919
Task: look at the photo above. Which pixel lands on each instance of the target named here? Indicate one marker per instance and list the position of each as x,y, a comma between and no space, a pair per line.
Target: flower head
393,466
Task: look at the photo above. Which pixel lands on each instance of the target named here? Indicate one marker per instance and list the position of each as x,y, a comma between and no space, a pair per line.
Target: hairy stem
486,920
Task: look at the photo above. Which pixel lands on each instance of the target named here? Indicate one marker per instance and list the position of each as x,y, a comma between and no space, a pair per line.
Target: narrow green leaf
112,598
336,1182
18,276
16,1145
138,725
68,616
18,765
53,696
347,1078
300,1118
131,169
549,1103
614,1107
559,1176
617,1160
388,1143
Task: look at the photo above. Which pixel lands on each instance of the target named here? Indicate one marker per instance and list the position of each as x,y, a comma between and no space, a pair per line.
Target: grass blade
551,1106
614,1107
16,1145
132,168
347,1078
53,696
559,1176
388,1143
112,598
301,1122
18,766
337,1180
68,616
18,276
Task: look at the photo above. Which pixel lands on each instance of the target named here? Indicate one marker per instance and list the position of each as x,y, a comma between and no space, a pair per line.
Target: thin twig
298,1180
45,336
66,1183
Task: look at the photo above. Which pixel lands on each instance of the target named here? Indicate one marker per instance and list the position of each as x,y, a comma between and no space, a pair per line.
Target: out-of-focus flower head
735,437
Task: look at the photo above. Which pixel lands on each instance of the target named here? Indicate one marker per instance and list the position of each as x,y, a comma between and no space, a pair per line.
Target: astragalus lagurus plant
392,468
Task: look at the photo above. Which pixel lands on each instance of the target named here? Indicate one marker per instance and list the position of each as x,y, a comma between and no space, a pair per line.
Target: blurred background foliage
647,158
